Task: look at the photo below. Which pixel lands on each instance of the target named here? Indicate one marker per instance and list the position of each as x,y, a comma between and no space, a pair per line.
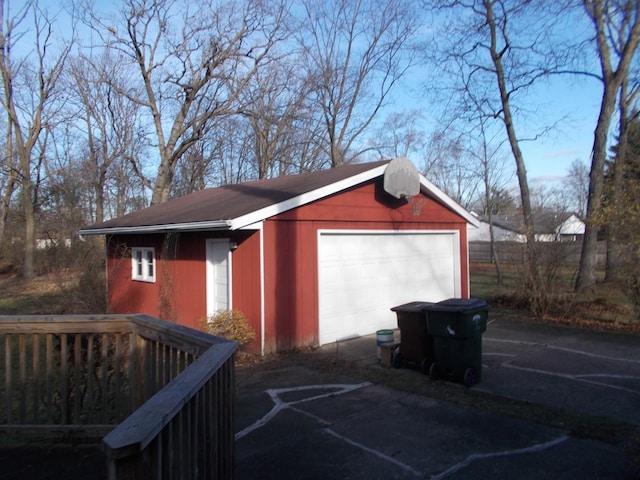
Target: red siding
245,276
290,264
177,293
291,274
125,294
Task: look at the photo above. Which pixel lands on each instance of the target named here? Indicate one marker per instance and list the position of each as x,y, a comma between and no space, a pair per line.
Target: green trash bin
456,326
416,345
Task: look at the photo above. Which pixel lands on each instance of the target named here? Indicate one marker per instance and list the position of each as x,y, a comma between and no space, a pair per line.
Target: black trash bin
416,345
456,326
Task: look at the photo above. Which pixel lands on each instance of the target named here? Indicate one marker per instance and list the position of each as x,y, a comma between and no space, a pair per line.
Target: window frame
143,264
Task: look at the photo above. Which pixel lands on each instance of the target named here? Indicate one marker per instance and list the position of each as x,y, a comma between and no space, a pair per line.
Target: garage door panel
363,275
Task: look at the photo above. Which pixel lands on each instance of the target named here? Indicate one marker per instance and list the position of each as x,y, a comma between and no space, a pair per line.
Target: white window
143,264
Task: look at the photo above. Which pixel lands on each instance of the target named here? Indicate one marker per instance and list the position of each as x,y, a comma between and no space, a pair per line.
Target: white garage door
362,274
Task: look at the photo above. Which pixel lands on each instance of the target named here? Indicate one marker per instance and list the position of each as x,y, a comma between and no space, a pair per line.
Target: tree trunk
28,270
586,279
10,186
614,250
162,187
99,192
622,38
494,253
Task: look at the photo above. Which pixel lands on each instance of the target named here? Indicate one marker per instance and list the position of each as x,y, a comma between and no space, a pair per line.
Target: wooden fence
168,391
513,252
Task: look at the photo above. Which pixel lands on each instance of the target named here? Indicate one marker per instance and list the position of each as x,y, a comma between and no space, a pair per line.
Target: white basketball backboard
401,178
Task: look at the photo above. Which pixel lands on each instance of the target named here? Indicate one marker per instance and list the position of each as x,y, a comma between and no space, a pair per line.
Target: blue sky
575,105
569,104
572,104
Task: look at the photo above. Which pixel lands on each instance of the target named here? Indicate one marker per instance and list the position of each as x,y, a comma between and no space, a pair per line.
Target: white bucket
382,337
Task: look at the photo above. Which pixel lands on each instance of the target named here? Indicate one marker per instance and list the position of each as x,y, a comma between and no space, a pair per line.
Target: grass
605,309
40,296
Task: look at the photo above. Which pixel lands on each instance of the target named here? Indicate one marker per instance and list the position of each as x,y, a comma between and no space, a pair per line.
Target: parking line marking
594,355
577,378
481,456
608,375
279,404
336,389
563,349
518,342
378,454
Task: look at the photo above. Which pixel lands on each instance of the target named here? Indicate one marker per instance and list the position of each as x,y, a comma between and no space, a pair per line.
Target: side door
218,275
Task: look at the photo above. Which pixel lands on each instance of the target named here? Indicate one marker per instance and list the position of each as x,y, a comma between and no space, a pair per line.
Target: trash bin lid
412,307
457,305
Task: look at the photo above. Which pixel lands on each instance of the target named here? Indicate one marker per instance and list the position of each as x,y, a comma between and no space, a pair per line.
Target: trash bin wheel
433,371
424,366
470,378
396,358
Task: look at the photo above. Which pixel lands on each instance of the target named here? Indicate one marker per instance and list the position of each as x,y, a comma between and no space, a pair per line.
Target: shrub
542,282
230,324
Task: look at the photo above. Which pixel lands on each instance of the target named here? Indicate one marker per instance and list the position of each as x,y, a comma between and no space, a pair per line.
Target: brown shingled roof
217,207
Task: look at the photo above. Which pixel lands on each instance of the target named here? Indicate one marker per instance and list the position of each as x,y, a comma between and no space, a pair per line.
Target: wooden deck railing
167,389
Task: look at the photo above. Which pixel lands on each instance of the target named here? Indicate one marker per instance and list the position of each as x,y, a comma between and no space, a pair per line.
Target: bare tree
496,61
456,171
28,96
495,51
355,51
193,59
577,186
400,135
492,171
108,123
276,107
616,27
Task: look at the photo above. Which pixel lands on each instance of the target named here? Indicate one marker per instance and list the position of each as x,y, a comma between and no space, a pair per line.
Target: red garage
309,259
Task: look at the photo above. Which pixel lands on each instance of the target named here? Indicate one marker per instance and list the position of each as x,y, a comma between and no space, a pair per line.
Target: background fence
513,252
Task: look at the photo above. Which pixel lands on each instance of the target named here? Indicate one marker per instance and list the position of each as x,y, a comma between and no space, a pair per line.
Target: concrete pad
375,432
326,419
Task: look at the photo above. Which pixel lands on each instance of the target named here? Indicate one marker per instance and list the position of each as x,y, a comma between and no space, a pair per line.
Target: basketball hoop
416,202
401,179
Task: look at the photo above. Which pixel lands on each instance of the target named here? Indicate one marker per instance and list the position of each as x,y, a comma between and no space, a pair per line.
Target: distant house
504,230
45,243
570,228
548,227
309,259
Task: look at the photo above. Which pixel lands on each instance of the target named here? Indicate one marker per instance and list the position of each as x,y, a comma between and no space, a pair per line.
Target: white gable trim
327,190
305,198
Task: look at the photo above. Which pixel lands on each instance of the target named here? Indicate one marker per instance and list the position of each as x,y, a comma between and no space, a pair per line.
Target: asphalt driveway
554,402
580,370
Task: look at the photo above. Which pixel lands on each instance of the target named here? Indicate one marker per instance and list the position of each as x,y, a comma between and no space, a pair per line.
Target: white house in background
571,229
549,227
504,230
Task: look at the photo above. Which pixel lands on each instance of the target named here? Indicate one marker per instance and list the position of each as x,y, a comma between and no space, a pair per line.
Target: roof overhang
172,227
251,219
